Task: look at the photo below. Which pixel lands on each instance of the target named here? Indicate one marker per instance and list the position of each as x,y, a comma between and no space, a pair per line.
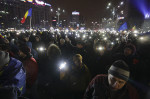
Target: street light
58,14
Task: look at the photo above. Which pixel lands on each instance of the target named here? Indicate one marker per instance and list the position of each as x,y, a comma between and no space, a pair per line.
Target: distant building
75,19
12,11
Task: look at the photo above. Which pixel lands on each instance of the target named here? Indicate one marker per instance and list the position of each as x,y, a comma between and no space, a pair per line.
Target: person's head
77,59
129,49
53,51
4,45
118,75
4,59
62,41
79,44
24,51
37,38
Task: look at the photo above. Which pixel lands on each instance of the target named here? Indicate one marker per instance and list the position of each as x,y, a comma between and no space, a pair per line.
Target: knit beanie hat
4,58
120,69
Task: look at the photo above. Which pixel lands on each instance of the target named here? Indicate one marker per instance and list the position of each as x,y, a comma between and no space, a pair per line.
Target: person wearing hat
29,64
115,85
12,75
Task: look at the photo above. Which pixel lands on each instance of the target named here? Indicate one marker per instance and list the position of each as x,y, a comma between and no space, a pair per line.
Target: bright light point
135,35
18,33
105,38
135,31
141,38
63,65
100,48
112,43
83,36
122,3
109,4
41,48
117,39
90,37
147,16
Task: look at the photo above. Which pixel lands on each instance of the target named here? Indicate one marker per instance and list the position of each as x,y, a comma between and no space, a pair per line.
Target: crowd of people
60,65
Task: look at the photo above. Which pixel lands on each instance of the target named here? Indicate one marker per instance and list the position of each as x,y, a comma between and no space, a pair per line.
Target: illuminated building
75,19
12,11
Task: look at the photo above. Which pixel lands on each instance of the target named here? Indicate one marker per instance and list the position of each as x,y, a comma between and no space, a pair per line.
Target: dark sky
91,10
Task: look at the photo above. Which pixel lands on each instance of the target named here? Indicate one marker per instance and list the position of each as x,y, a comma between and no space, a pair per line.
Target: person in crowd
24,40
30,66
78,77
37,42
115,85
100,59
49,75
63,47
130,57
12,74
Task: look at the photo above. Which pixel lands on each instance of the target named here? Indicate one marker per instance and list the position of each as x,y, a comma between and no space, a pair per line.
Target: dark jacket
79,78
99,89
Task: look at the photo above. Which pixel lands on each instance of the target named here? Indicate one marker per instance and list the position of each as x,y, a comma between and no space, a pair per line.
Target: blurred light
117,39
135,31
147,16
141,38
135,35
41,49
62,66
105,38
109,4
107,7
51,10
122,3
100,48
112,43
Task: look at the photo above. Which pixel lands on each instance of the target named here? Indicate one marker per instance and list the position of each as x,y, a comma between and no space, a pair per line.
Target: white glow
112,43
41,48
135,35
105,38
147,16
135,31
141,38
83,36
100,48
122,3
117,39
62,66
39,2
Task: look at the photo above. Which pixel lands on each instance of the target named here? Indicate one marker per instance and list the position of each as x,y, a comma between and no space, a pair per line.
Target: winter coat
31,68
79,78
13,74
99,89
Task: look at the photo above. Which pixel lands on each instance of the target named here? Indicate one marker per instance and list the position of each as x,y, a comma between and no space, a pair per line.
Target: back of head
77,56
53,51
4,58
25,49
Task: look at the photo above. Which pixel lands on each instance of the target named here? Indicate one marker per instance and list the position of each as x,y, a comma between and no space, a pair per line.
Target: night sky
91,10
